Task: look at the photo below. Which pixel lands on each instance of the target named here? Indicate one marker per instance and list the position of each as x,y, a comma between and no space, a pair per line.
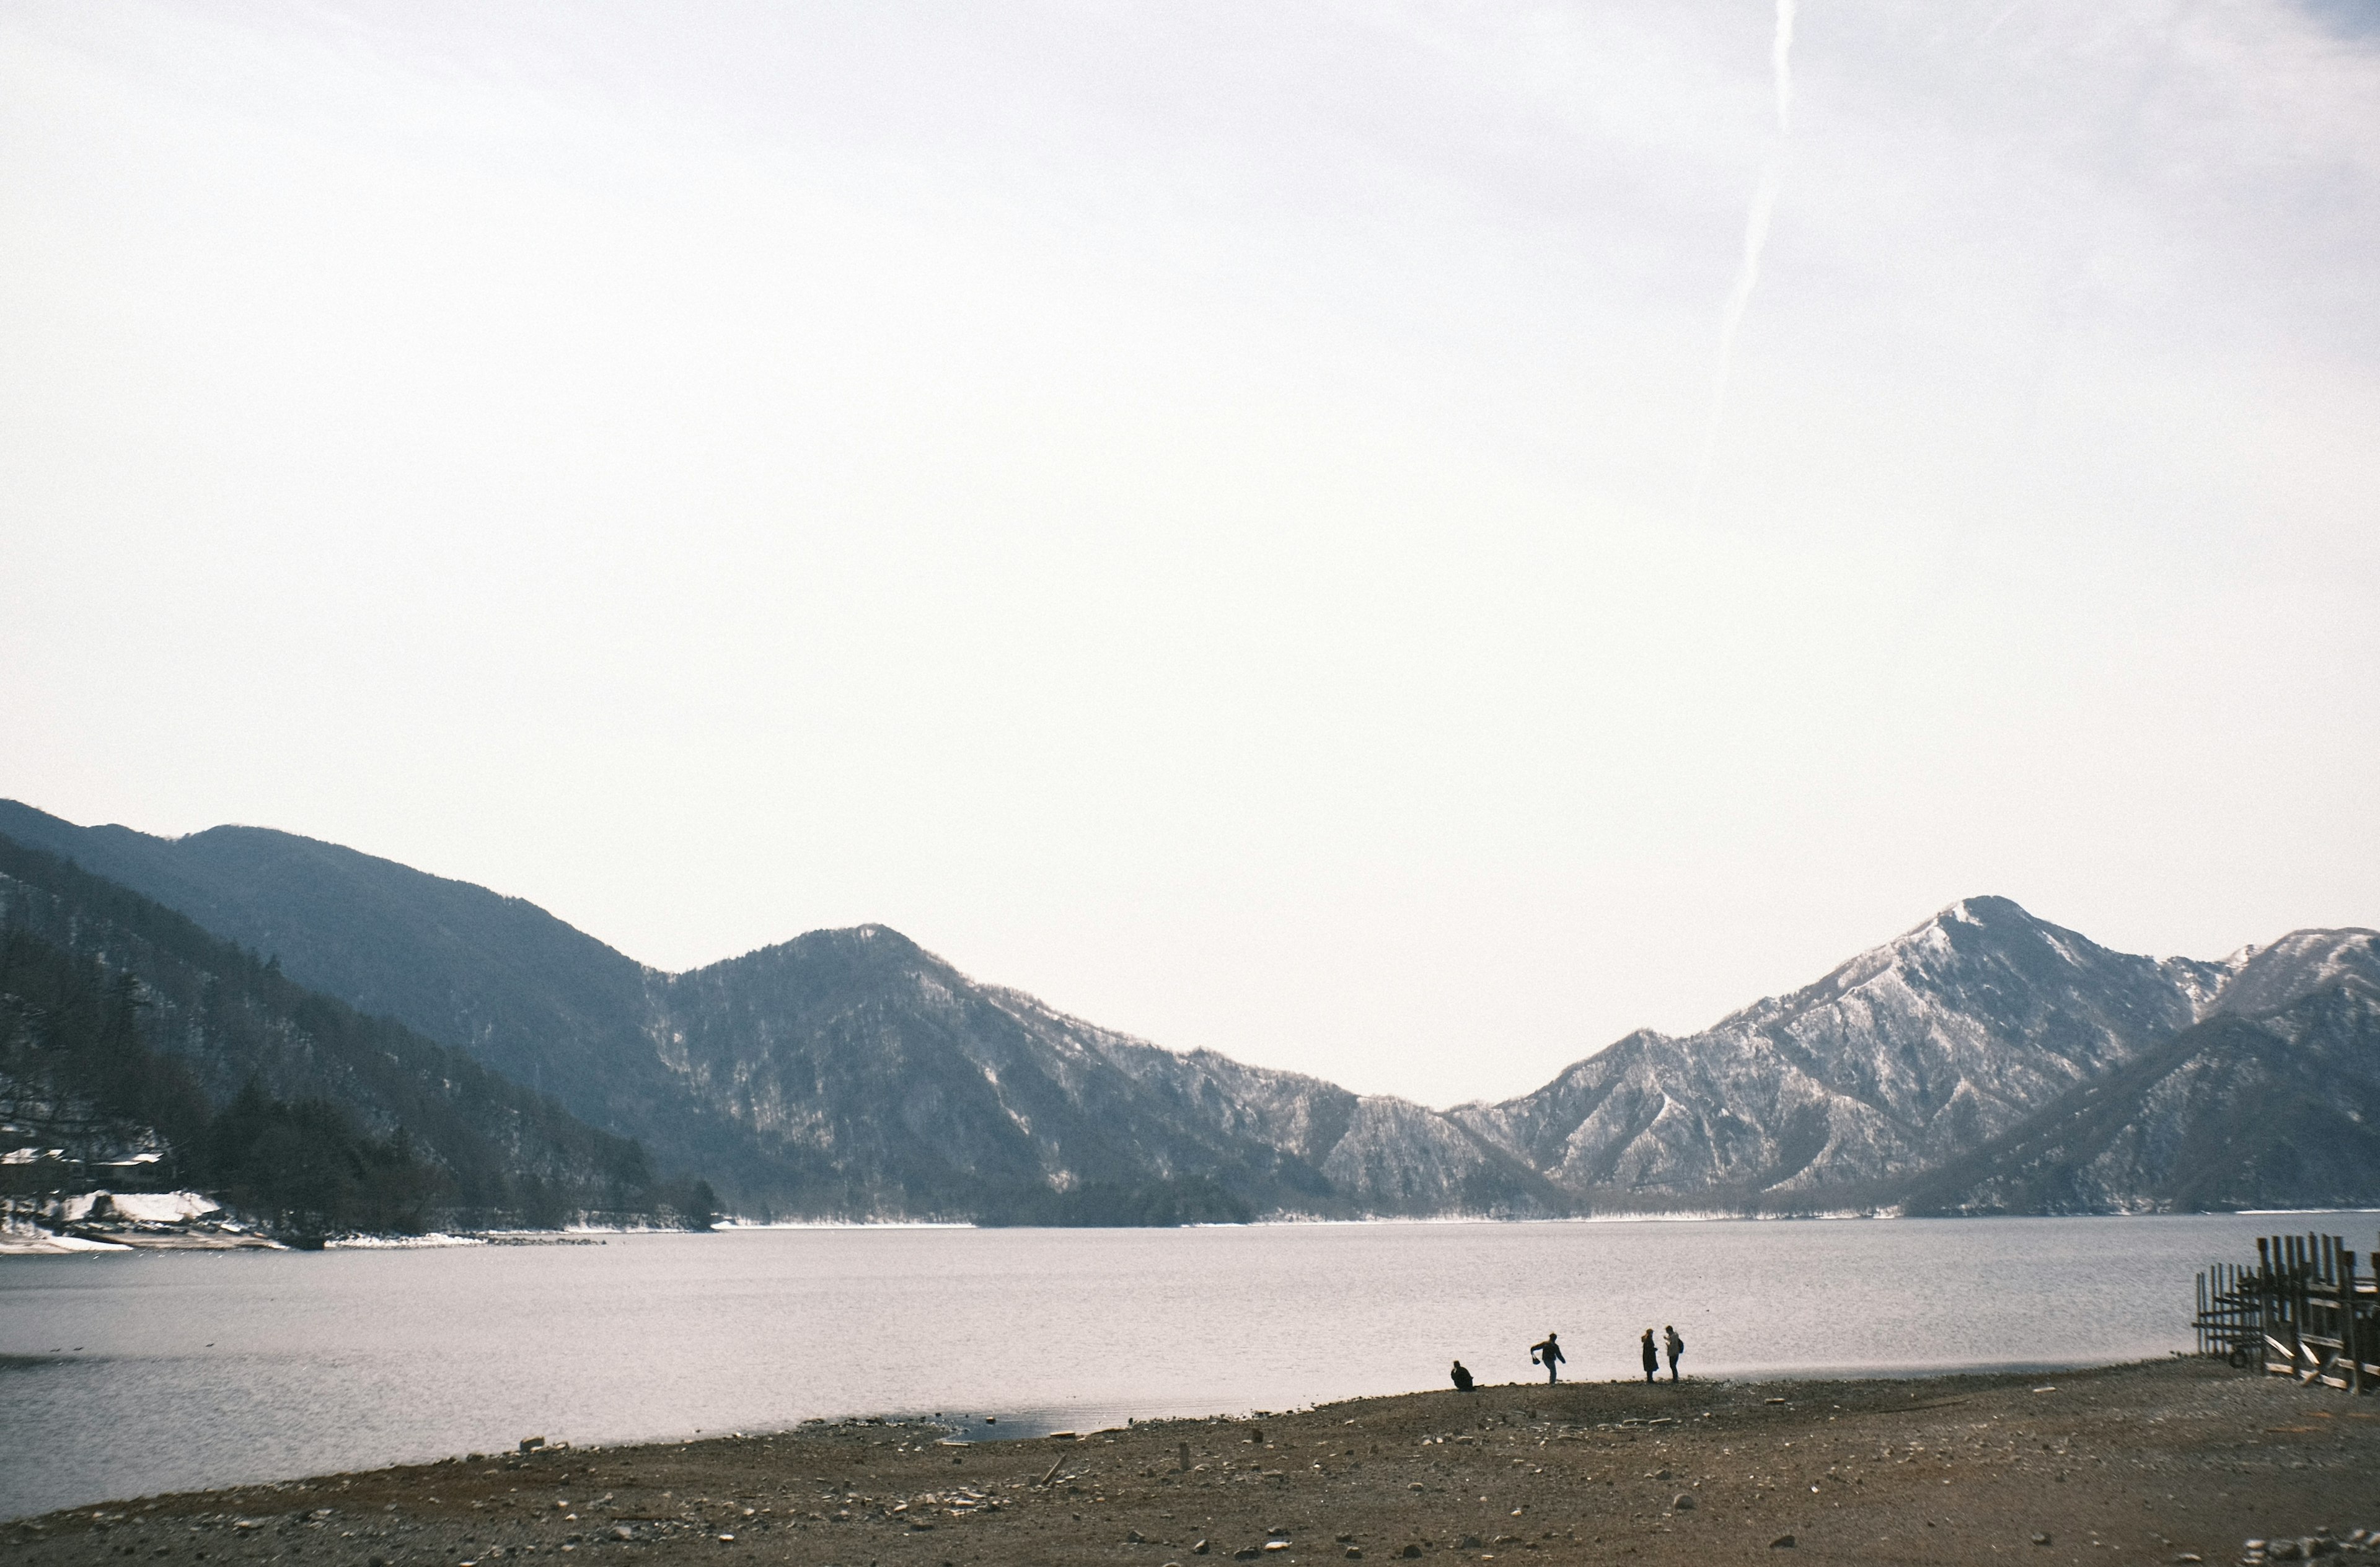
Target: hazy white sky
1185,509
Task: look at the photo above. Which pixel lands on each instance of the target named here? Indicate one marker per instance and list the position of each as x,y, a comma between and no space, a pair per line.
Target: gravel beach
2169,1460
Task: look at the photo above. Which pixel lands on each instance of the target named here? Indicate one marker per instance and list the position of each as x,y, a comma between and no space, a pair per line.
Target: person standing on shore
1652,1357
1677,1346
1550,1356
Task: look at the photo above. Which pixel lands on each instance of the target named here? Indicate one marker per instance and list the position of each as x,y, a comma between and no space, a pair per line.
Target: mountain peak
1910,1053
868,948
2266,979
870,935
1989,909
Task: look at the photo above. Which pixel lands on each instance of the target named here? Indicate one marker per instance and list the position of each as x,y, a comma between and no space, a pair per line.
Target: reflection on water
124,1376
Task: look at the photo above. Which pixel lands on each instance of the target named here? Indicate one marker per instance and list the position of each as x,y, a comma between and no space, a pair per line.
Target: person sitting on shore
1550,1356
1652,1357
1461,1377
1677,1346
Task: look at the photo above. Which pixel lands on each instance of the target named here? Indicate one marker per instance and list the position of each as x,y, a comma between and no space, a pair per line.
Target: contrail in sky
1780,61
1756,237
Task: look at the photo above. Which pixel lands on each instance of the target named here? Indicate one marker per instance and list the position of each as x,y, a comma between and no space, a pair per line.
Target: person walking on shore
1652,1357
1462,1377
1550,1356
1677,1346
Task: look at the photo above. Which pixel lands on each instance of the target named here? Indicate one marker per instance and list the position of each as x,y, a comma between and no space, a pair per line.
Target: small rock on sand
1782,1542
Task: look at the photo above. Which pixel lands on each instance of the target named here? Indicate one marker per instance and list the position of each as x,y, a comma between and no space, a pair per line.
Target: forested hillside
140,1052
846,1073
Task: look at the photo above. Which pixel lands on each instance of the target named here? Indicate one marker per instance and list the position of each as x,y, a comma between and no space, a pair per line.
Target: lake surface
123,1376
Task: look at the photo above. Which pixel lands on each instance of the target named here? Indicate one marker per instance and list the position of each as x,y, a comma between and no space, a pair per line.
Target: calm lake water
124,1376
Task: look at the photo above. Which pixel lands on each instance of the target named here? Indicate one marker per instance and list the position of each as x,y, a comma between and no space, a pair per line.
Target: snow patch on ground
139,1207
38,1243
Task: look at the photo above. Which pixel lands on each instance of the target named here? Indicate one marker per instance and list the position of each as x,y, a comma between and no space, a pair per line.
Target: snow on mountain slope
844,1072
1405,1159
2281,1109
1900,1058
894,1084
850,1072
2267,979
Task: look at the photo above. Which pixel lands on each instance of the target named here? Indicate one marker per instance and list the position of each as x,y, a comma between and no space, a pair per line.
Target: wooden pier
2301,1310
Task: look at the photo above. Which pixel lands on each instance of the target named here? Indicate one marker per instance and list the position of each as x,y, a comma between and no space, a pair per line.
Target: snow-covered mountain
842,1073
2272,1101
887,1080
1985,1059
1903,1059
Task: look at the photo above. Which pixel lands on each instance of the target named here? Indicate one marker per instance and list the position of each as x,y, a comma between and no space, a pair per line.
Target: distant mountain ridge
845,1073
852,1073
2271,1100
1923,1047
1931,1048
882,1076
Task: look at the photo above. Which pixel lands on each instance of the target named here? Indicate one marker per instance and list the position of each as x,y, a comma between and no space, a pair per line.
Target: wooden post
2304,1313
2297,1302
2280,1330
2347,1326
2265,1323
2343,1309
2285,1269
2367,1328
2342,1267
2264,1300
2322,1274
2330,1250
2238,1282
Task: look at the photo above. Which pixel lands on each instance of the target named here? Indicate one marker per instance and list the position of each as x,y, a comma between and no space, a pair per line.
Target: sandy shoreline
2158,1462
